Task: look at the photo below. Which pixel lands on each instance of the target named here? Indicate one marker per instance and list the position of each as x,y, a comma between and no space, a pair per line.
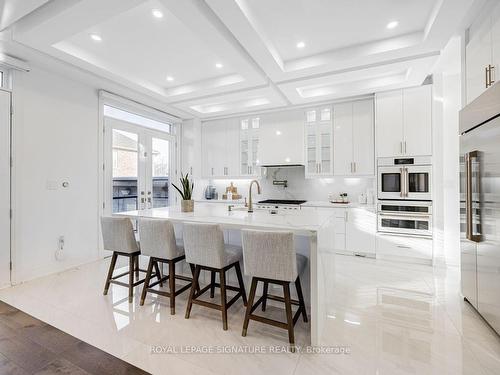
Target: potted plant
187,203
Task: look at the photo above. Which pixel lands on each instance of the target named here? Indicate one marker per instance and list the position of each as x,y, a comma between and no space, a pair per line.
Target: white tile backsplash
298,186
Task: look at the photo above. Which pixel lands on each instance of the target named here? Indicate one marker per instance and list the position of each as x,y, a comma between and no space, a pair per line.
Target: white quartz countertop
299,222
328,204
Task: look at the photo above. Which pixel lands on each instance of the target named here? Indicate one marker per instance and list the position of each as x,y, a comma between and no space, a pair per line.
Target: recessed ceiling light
301,45
95,37
392,24
157,13
170,78
219,66
278,132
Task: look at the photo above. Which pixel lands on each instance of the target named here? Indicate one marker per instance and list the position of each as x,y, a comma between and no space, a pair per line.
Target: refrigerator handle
468,197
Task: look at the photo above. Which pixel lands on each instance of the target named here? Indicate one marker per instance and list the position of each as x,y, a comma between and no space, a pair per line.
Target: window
311,116
244,124
133,118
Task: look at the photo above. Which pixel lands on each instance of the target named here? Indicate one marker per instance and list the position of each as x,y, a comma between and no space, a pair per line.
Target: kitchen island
315,227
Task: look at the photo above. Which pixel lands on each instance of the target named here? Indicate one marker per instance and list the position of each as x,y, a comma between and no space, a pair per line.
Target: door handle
486,77
489,74
401,147
405,147
469,233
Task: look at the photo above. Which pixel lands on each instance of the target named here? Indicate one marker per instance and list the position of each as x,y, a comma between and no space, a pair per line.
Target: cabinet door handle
401,147
405,146
319,167
351,166
354,166
191,170
346,216
403,247
491,81
486,77
212,171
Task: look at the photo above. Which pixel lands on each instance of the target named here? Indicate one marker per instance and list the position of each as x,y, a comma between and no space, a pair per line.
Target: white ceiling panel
325,25
13,10
348,49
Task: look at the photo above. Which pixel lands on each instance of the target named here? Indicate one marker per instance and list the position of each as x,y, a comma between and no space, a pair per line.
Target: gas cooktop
282,202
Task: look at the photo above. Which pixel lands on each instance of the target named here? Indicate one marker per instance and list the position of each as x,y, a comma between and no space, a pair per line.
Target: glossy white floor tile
394,319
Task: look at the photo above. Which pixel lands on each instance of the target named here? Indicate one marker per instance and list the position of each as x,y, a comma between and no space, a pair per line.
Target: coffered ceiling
218,57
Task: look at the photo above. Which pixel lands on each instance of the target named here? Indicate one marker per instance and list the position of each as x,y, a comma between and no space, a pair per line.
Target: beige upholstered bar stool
158,242
205,248
270,257
118,237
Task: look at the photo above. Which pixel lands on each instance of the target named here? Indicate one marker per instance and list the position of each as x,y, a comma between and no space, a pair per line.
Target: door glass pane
311,116
244,156
391,182
160,171
326,114
418,182
405,224
311,149
125,170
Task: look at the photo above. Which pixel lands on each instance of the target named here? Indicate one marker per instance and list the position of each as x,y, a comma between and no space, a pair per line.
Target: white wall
447,104
55,139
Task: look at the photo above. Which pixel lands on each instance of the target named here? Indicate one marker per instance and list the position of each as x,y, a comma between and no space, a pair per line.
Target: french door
138,167
4,188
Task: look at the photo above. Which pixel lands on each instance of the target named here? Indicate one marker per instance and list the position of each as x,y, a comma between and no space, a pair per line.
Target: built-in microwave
405,178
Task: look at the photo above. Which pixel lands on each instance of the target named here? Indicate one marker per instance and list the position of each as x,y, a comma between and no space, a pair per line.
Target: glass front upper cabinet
319,141
249,146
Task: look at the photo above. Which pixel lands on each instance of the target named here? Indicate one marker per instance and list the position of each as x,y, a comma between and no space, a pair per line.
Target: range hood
281,139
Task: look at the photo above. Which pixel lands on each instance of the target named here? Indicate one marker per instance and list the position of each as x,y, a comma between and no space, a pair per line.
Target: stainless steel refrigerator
480,204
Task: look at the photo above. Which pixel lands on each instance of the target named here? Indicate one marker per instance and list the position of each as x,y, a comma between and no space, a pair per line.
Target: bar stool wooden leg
251,298
192,273
147,280
289,316
194,287
171,283
158,273
241,284
302,305
131,262
223,298
212,284
264,295
112,266
137,267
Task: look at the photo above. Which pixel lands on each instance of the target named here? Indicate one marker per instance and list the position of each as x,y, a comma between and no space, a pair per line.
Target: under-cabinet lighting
392,25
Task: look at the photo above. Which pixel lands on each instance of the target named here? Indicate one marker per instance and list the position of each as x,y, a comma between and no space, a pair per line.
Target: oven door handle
407,182
402,182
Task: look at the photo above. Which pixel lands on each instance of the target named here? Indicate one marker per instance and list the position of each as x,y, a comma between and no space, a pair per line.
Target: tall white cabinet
404,122
353,138
482,53
220,141
319,142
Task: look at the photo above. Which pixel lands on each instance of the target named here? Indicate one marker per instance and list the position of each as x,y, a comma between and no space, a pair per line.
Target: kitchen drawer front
404,246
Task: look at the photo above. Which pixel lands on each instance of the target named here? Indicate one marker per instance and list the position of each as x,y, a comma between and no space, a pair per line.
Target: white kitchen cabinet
191,144
220,147
318,133
249,146
417,120
361,227
482,53
281,140
404,248
404,122
389,123
354,138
